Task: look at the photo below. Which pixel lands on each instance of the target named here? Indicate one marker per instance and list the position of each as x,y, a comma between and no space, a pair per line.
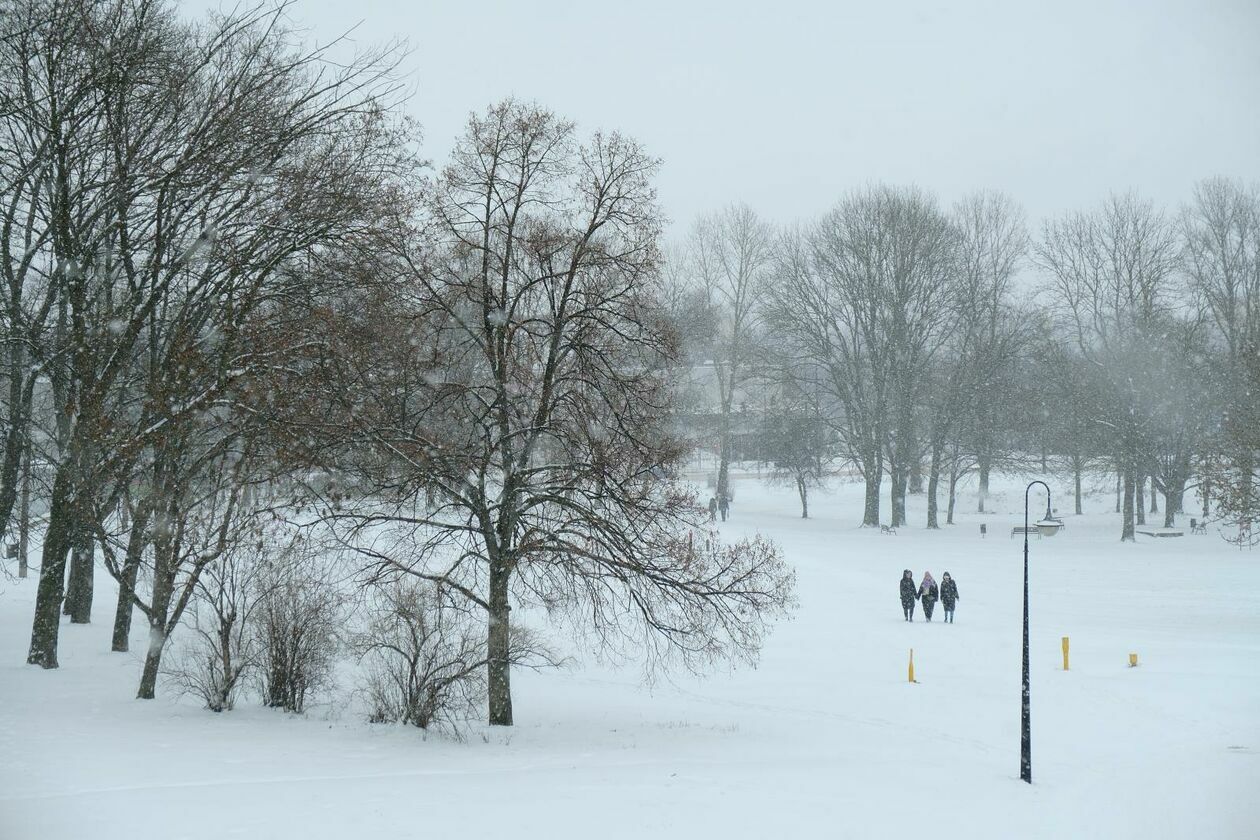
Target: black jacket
931,594
949,593
909,592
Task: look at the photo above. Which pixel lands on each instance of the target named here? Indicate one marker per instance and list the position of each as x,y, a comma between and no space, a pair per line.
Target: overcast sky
785,105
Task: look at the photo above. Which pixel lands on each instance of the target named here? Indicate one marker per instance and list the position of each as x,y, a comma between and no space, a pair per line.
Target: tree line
915,342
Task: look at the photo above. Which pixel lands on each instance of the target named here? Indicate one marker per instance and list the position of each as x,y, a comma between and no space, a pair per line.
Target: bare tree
796,443
993,243
1067,382
1113,273
862,297
730,253
225,646
1181,410
833,347
299,611
510,440
1221,232
425,659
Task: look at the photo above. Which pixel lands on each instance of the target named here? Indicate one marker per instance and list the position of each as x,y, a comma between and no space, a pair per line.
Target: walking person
949,596
724,505
928,594
713,506
908,594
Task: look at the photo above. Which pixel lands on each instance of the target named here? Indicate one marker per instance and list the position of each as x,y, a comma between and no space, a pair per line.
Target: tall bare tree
862,297
499,412
1113,274
993,244
731,252
1221,230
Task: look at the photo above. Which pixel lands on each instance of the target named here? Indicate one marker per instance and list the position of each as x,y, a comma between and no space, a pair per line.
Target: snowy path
824,739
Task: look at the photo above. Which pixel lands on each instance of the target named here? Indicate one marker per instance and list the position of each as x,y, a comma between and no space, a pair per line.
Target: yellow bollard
912,679
1132,660
1065,653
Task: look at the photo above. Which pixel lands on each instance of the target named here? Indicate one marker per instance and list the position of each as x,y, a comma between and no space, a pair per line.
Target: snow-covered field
825,739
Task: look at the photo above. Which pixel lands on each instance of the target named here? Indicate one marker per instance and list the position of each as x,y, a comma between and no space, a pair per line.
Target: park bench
1197,527
1020,529
884,529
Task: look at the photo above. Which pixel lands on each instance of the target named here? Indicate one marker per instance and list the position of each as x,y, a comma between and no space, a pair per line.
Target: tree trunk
16,440
916,475
803,488
1139,499
1119,489
934,480
984,464
724,454
953,493
72,580
163,590
52,573
498,658
222,699
152,662
1154,497
1174,491
872,469
1076,476
1246,468
24,515
1127,531
82,576
1207,497
127,581
897,473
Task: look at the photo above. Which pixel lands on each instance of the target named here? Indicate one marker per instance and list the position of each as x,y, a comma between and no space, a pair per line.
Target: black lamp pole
1025,745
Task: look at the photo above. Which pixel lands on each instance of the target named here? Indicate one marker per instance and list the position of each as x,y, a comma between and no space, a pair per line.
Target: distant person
713,506
908,594
928,594
724,505
949,596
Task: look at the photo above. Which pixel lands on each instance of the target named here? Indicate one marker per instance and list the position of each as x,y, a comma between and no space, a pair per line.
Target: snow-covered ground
825,739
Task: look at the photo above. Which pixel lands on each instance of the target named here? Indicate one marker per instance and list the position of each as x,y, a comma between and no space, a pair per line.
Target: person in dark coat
713,506
949,596
908,594
724,505
928,594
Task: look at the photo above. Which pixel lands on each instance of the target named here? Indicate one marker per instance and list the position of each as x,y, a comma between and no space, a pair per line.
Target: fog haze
787,105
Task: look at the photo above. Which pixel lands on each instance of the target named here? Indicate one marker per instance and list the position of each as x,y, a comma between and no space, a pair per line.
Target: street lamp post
1047,528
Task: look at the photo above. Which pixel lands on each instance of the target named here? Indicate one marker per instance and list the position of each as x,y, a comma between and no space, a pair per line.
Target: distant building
699,403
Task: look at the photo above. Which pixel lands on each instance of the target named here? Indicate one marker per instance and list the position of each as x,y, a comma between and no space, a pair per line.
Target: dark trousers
928,604
908,610
949,613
